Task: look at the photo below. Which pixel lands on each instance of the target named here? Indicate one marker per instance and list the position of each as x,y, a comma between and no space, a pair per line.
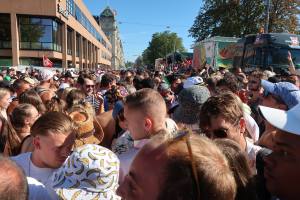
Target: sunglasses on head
185,135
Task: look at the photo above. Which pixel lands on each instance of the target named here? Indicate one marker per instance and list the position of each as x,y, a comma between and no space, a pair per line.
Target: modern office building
107,21
63,30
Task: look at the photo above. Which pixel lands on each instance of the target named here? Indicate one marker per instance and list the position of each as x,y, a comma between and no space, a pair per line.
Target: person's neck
23,132
45,85
37,161
243,144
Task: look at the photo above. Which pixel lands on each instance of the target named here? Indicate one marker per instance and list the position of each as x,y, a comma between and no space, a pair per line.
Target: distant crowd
150,135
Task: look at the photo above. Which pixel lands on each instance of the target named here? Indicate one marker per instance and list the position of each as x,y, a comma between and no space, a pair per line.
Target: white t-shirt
43,175
38,191
127,158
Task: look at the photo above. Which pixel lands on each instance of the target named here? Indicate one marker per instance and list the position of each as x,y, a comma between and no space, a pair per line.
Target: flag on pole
47,62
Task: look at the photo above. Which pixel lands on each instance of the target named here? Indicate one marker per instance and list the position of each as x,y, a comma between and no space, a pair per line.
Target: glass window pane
47,22
34,20
25,45
46,34
36,45
24,20
47,46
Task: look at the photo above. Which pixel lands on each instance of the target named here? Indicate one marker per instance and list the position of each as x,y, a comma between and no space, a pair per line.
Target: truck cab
266,51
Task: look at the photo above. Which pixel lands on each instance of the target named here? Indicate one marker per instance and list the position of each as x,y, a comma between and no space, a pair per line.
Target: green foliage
237,18
160,45
284,16
139,62
129,64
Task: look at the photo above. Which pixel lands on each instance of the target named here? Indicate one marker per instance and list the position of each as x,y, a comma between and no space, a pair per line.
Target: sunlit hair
32,97
19,114
149,102
215,178
239,165
225,105
13,182
75,97
3,92
9,140
56,104
258,75
54,122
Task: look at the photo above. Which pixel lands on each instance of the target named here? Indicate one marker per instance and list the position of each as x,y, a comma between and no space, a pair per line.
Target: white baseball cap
195,80
288,121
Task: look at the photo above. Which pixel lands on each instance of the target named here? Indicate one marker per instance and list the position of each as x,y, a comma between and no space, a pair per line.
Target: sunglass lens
220,134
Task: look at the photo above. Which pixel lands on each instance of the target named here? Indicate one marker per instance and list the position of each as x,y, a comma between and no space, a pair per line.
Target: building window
39,62
84,48
78,45
83,20
5,32
70,7
69,41
40,33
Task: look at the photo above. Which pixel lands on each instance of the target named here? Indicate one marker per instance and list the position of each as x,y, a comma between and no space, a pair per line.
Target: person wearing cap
282,95
190,101
168,95
282,165
46,77
191,81
91,172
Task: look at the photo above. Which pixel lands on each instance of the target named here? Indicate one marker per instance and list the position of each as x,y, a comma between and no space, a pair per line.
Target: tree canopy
237,18
160,45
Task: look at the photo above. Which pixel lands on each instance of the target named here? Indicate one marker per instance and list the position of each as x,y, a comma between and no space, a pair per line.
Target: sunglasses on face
90,86
221,132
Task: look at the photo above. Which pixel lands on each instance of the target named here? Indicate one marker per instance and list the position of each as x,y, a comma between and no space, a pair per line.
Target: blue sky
139,19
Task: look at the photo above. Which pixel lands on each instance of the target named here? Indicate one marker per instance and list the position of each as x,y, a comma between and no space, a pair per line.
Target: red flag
47,62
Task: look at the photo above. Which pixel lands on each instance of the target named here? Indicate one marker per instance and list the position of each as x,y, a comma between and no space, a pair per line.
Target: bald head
13,183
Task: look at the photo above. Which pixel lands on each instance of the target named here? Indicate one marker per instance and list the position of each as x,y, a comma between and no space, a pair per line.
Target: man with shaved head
13,183
146,115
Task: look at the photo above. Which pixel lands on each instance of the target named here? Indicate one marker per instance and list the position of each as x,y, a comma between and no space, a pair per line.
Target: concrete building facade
108,23
63,30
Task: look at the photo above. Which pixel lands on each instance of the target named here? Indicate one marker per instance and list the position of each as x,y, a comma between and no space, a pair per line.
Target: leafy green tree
129,64
139,62
160,45
237,18
284,16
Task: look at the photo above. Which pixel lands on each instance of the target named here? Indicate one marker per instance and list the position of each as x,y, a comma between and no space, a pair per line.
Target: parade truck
215,52
267,51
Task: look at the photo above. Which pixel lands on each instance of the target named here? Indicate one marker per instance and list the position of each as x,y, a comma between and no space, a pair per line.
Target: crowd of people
142,135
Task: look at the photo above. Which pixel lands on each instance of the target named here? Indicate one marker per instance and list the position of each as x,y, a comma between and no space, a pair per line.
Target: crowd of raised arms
149,135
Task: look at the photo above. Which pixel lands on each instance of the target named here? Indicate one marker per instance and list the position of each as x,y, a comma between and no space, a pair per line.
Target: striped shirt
95,101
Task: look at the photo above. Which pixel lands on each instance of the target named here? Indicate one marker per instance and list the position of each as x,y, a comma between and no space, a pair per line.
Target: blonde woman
5,99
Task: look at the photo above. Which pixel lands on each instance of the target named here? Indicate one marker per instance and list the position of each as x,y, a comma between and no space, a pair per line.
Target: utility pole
267,5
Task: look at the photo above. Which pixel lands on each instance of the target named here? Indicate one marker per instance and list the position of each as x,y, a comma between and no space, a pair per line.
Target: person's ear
242,125
26,121
36,142
148,124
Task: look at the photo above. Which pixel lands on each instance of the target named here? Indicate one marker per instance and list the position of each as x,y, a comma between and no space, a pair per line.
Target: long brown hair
9,139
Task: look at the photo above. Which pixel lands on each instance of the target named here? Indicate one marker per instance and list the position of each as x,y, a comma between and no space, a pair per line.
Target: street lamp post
267,5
